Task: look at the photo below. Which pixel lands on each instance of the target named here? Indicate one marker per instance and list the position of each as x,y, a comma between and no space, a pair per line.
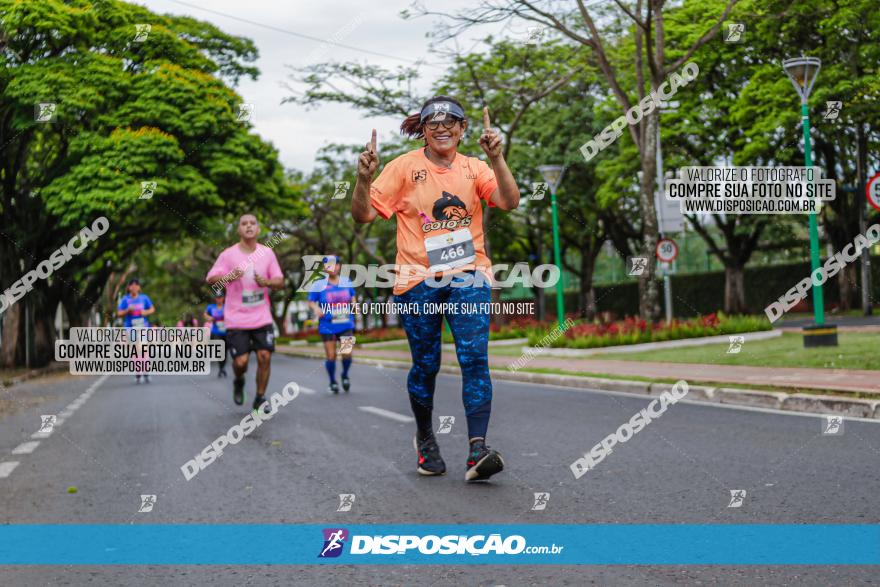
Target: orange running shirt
438,211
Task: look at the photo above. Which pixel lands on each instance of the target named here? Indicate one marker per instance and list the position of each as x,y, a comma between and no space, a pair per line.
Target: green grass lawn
856,351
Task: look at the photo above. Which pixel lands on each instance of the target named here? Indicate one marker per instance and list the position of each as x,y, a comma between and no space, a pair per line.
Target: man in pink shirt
248,270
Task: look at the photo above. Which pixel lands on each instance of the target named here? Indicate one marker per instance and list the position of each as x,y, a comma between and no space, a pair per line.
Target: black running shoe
238,391
334,388
483,462
260,402
346,384
430,461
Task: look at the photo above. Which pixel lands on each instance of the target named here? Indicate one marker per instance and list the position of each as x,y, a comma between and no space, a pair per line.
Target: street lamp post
803,71
552,174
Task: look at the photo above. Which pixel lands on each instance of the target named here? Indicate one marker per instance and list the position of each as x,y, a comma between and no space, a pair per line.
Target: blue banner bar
526,544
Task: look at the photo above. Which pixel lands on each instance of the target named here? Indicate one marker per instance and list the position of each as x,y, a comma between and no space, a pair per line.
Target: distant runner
134,308
248,270
214,317
330,299
437,195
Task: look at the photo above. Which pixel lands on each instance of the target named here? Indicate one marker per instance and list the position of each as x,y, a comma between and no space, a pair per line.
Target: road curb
795,402
750,397
857,408
695,392
33,373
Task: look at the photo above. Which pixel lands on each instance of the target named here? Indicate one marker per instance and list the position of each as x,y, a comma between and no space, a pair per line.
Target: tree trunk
12,346
649,292
587,298
734,290
846,281
44,338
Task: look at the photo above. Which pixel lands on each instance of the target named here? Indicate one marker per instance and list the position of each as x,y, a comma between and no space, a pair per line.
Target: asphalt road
124,440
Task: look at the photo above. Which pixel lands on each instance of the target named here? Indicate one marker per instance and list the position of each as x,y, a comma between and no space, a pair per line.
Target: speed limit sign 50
872,191
667,250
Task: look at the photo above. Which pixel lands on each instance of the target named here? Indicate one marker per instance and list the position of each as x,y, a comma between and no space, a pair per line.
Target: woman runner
437,195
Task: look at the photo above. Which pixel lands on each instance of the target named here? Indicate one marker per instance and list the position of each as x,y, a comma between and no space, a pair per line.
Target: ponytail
412,126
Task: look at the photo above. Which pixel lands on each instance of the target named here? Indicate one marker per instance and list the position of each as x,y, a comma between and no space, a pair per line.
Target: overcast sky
377,26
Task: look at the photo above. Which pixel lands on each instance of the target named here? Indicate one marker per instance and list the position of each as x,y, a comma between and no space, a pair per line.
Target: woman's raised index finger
486,124
373,142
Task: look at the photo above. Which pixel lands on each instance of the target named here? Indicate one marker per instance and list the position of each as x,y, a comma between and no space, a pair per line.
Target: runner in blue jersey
331,300
214,317
134,308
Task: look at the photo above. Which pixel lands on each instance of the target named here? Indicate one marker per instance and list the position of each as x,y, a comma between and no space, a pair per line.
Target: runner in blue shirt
331,299
134,309
214,317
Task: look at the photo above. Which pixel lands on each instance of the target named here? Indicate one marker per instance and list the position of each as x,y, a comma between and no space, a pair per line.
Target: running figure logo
44,112
737,496
346,500
538,191
535,35
735,32
341,190
246,113
832,109
832,426
334,541
47,423
639,264
314,265
147,503
441,109
541,500
736,343
346,344
446,423
147,189
141,32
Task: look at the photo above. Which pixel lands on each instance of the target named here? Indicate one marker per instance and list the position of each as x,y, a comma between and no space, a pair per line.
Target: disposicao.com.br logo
334,541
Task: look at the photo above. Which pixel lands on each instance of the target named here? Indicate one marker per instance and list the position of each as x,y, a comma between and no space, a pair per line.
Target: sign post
666,252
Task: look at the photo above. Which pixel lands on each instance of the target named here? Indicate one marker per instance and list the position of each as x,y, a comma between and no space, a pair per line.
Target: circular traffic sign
872,191
667,250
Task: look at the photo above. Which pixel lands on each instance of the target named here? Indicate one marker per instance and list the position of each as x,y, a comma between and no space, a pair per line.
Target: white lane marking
7,468
26,448
43,434
97,383
307,390
387,414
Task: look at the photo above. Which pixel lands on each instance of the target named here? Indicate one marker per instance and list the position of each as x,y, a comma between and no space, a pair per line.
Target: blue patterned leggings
470,329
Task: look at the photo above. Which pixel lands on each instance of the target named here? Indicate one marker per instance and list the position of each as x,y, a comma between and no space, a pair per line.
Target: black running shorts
241,342
337,336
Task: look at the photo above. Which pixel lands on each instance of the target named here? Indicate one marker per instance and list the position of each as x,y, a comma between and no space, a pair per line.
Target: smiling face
248,227
134,289
442,140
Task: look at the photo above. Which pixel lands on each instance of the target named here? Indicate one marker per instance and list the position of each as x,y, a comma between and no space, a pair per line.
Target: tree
650,67
127,110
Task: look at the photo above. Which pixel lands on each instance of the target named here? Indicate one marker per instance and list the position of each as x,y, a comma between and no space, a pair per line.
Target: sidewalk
803,378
